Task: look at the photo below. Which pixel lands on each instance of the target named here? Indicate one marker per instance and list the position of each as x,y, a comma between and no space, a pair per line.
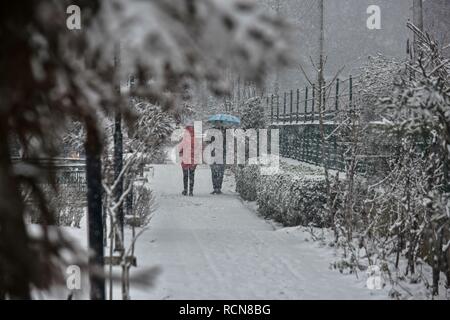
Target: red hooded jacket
188,144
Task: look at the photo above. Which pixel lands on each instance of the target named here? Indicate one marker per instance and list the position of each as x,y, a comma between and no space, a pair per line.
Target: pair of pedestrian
188,165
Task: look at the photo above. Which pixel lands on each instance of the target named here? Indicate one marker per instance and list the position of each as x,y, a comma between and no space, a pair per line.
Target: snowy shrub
295,196
68,205
142,206
405,217
246,179
293,200
273,196
253,114
152,129
70,216
377,80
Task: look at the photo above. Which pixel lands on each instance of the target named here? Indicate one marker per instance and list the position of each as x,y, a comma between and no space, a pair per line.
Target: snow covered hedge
67,205
246,179
295,196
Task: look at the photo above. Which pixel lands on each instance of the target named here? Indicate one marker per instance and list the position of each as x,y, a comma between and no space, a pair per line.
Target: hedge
294,196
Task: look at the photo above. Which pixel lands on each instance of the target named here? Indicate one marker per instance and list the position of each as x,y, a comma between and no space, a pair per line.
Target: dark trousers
217,171
188,178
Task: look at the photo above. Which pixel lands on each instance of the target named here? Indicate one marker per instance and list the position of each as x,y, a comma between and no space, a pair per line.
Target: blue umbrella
225,119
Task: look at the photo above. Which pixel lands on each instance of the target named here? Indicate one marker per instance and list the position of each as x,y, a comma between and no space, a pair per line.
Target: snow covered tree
151,130
437,24
377,80
253,114
420,108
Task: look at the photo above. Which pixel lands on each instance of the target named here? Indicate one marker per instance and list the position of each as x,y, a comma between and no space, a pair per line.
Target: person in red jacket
187,151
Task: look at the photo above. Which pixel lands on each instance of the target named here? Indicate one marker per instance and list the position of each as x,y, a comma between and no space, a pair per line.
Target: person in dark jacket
218,169
188,163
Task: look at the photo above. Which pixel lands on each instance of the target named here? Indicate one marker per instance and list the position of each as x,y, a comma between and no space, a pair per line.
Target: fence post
298,104
284,106
324,100
278,107
351,92
290,116
313,101
335,158
306,103
271,109
337,94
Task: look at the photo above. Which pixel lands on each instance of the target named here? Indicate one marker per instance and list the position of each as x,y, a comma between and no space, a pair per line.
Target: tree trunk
118,153
321,108
16,262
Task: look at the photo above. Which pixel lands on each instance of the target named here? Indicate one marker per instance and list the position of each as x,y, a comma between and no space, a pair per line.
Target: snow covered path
214,247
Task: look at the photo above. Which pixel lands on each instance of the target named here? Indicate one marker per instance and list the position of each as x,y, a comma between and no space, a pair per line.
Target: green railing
303,142
300,105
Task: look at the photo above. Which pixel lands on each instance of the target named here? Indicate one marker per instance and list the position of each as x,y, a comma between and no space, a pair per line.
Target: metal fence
303,142
300,105
68,172
296,115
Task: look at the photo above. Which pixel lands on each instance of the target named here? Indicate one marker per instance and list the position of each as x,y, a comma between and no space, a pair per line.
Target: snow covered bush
246,178
70,216
252,114
406,212
142,207
377,80
151,132
293,200
295,196
68,205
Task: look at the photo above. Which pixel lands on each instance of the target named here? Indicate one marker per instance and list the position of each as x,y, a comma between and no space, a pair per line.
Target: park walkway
215,247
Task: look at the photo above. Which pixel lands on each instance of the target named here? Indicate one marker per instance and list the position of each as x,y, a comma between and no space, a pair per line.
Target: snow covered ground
216,247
